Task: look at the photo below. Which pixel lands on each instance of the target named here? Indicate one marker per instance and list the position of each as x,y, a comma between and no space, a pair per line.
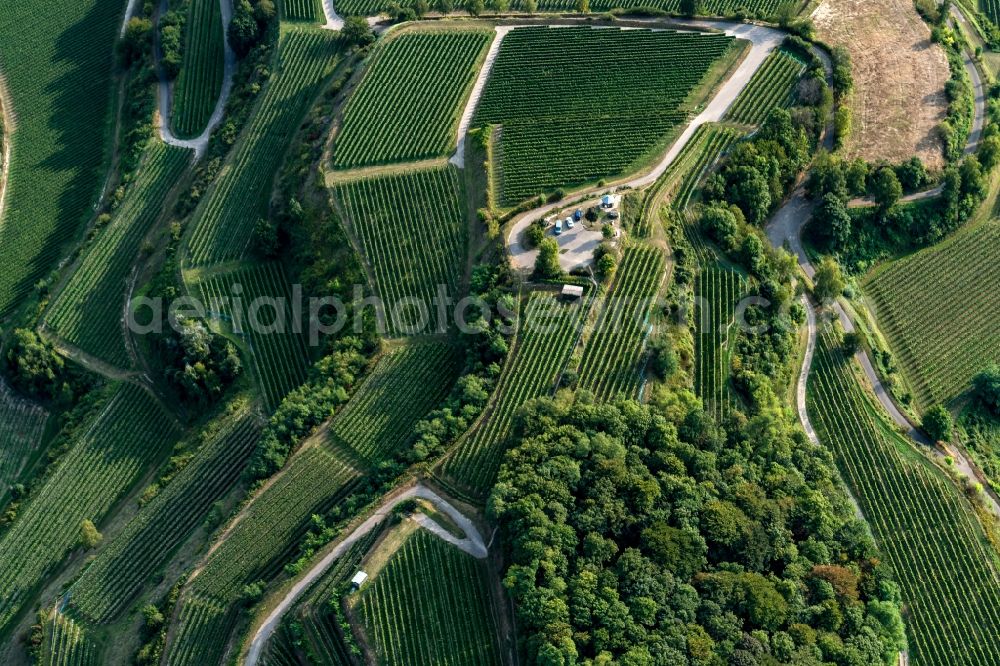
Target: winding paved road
471,544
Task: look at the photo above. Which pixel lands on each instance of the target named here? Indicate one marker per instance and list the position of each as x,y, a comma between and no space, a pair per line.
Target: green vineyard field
771,87
223,223
413,232
577,105
110,456
407,383
197,87
57,68
113,579
64,643
408,104
718,290
263,322
22,426
613,358
88,311
302,10
938,312
924,526
763,8
431,604
991,8
252,548
546,336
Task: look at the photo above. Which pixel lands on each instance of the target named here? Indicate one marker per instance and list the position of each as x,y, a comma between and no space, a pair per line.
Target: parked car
613,215
569,223
577,215
558,227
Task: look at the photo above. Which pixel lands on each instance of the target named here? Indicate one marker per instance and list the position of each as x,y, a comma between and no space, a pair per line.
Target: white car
570,223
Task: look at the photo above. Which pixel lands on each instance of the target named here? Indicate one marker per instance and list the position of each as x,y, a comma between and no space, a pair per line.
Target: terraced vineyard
22,426
302,10
251,549
108,584
547,334
223,223
413,232
408,105
557,132
924,526
88,312
718,290
321,637
52,61
613,359
431,604
199,82
772,86
65,644
937,309
265,324
682,177
109,457
407,383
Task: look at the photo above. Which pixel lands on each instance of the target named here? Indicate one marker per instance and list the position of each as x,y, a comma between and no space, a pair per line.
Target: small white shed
572,291
359,579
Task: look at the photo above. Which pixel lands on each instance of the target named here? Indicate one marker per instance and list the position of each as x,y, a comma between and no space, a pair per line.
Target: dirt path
762,40
333,20
165,92
333,177
6,132
129,12
458,159
471,544
866,202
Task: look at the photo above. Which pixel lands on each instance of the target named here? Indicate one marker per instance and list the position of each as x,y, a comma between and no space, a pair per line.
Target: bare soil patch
899,78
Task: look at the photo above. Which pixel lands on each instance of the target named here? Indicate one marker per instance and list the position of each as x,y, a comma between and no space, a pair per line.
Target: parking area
578,230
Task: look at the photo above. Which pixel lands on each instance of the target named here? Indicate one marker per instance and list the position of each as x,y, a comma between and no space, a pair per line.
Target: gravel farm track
165,88
472,544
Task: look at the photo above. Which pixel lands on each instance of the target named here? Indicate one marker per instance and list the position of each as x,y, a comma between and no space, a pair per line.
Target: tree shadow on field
78,121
